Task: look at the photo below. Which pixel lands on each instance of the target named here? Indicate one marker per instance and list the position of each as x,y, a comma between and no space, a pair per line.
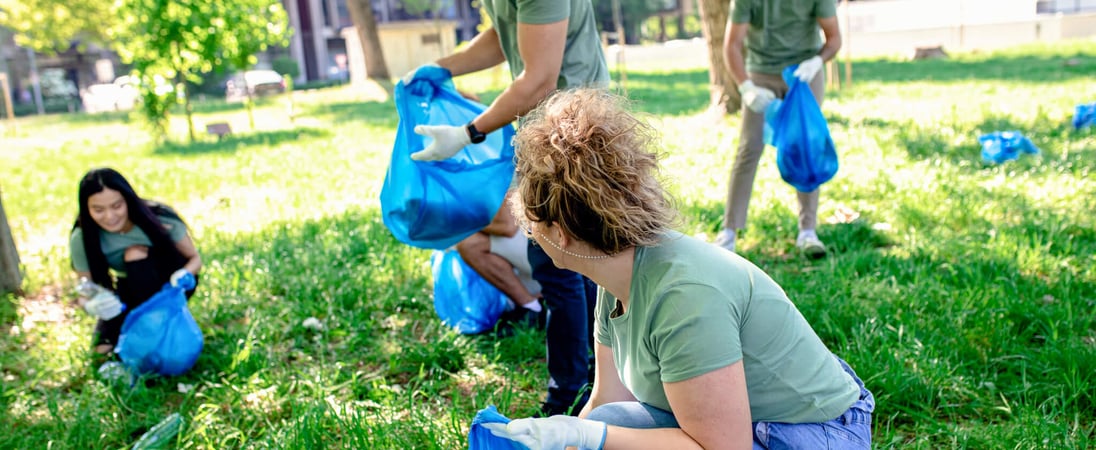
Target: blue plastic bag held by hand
462,298
1085,116
805,153
435,204
480,438
161,336
1001,146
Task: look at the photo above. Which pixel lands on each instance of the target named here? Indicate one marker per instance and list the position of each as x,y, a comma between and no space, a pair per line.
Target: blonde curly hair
586,163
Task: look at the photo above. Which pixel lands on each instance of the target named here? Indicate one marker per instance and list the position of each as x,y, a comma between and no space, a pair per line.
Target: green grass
962,293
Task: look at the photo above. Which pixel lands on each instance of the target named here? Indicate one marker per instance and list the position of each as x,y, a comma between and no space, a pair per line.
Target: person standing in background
548,45
775,35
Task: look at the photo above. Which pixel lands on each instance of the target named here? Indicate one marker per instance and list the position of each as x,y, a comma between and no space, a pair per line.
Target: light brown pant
750,147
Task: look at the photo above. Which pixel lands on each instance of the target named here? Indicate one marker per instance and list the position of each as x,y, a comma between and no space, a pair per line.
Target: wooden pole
848,45
11,279
619,24
7,99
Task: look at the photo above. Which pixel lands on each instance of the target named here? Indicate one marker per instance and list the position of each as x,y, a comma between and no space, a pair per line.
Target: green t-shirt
115,244
696,308
781,33
583,60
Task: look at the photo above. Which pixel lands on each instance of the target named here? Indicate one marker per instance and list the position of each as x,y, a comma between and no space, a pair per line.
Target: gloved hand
552,433
756,98
178,279
104,305
410,76
448,140
808,69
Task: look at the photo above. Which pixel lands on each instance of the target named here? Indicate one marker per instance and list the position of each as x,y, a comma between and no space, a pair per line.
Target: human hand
756,98
551,433
448,140
104,305
410,76
808,69
183,278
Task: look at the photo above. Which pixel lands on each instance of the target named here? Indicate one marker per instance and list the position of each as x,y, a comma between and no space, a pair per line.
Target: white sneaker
725,239
810,245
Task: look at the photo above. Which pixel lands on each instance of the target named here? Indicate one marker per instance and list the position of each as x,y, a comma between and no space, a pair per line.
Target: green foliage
422,7
181,40
249,27
52,26
692,29
286,66
961,292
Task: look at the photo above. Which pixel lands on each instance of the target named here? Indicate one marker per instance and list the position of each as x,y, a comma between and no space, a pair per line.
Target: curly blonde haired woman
696,347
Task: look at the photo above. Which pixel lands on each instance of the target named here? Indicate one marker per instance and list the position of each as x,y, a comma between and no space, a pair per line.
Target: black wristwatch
474,135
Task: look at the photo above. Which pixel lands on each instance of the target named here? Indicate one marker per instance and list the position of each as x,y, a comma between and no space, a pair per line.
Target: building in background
319,45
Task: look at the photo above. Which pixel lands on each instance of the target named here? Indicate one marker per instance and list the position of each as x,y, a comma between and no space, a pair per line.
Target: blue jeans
851,430
569,327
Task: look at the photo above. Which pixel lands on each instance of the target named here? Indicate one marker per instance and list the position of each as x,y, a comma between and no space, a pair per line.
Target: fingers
497,429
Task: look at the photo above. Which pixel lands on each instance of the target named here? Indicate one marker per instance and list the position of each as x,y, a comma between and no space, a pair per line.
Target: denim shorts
851,430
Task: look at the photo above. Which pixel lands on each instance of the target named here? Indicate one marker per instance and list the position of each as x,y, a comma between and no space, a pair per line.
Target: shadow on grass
958,144
101,117
380,114
668,93
1027,68
234,142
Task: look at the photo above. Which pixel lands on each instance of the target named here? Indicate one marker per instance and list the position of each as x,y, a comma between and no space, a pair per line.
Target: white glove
552,433
448,140
755,98
410,76
808,69
104,305
178,275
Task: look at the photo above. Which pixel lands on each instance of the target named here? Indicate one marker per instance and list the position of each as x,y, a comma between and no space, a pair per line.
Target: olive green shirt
583,61
781,33
695,308
114,245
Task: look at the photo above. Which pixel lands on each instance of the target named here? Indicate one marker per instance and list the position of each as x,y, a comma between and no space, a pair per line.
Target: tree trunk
11,279
713,23
361,13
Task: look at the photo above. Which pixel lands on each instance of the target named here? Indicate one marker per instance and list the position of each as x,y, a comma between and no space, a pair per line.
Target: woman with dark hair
126,244
696,347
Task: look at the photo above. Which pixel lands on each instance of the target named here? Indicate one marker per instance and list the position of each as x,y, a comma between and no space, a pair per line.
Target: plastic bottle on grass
91,291
161,434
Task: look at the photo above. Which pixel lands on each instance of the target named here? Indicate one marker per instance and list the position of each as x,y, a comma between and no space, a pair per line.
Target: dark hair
141,212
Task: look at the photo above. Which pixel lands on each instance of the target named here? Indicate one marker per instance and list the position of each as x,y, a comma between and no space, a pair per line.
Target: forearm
830,48
518,99
736,63
194,264
482,53
648,438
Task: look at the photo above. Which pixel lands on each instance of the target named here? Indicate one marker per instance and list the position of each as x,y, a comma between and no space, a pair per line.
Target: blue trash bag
1085,116
1001,146
435,204
805,153
462,298
480,438
161,336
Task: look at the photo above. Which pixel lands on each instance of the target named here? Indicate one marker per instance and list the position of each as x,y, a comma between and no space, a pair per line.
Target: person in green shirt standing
696,347
775,34
549,46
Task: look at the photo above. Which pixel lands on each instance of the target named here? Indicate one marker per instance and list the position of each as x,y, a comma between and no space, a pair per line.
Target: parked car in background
259,82
121,95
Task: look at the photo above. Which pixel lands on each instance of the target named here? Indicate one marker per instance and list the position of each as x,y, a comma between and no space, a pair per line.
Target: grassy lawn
963,294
